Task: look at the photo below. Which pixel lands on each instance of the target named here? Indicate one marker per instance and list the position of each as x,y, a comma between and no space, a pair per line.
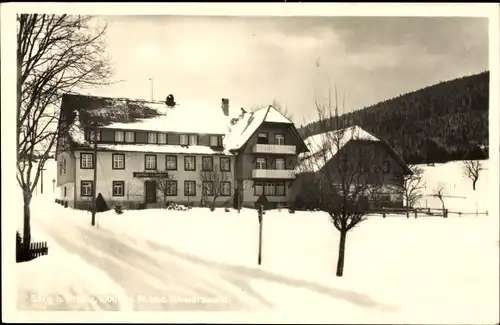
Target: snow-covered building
378,162
266,145
189,148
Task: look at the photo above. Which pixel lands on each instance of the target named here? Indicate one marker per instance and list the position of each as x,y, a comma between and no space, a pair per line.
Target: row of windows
261,163
150,162
170,188
269,189
263,138
157,138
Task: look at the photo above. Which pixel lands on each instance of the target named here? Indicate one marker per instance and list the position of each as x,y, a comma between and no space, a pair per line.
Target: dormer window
129,136
90,135
119,136
262,138
193,140
214,141
184,140
162,138
152,138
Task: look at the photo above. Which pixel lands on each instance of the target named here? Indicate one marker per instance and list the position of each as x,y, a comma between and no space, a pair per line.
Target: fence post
260,233
415,214
446,213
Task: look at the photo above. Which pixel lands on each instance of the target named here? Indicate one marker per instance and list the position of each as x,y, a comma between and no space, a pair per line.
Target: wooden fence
25,252
427,212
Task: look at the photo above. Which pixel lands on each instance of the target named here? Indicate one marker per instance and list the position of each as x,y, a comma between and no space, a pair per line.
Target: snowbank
63,281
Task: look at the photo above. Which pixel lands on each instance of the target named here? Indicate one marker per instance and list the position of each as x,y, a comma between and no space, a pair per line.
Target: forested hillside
443,122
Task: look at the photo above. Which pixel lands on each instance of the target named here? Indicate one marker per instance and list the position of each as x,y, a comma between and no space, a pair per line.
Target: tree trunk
474,184
340,262
27,217
213,202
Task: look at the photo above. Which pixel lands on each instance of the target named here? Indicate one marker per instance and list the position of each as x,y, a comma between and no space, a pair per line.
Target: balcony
274,149
273,173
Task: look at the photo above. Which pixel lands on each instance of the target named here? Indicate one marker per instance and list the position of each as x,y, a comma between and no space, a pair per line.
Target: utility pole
41,180
261,213
152,88
94,182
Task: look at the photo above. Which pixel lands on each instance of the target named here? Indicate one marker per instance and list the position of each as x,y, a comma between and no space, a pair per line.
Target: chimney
225,106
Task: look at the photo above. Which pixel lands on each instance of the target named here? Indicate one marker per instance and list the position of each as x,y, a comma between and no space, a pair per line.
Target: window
262,138
62,166
129,136
269,189
86,160
225,164
258,189
280,163
150,162
190,163
162,138
260,163
193,140
118,188
208,187
171,188
86,188
119,136
189,188
151,137
183,140
279,139
385,167
214,141
118,161
90,135
280,189
225,188
171,162
207,163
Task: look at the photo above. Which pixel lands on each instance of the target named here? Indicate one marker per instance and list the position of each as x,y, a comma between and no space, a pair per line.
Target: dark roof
106,110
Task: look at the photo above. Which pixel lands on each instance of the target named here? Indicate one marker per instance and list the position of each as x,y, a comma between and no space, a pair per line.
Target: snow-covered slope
398,270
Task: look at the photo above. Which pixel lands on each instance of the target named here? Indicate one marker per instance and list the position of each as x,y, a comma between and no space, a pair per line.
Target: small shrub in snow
65,204
118,209
227,210
175,206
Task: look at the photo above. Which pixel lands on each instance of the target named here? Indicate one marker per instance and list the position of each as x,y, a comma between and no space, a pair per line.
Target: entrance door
150,190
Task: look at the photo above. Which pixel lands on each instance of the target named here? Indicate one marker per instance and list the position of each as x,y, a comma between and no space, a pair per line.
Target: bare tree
344,176
162,184
439,192
56,54
471,169
282,109
412,187
279,107
213,182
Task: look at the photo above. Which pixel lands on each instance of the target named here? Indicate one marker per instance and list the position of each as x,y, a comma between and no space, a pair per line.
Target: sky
254,61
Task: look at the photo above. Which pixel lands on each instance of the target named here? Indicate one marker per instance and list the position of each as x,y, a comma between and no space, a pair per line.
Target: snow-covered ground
398,270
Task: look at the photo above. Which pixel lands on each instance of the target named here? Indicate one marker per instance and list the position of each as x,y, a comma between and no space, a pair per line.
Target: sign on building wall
150,174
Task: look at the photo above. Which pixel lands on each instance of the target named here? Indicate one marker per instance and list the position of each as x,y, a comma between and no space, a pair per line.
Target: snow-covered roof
249,123
323,146
132,114
154,148
182,118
